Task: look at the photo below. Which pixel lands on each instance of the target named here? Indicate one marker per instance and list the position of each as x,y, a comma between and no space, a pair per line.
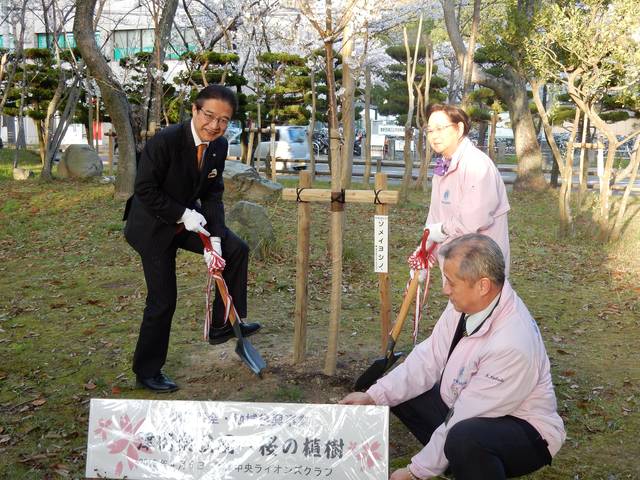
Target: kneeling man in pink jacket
478,392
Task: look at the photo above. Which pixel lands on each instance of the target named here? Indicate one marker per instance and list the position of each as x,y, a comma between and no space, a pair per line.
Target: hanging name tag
381,243
189,440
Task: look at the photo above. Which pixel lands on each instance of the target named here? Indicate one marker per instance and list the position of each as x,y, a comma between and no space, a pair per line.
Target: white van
291,147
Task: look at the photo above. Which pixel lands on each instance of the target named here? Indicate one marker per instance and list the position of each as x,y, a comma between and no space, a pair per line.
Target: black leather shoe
221,335
159,383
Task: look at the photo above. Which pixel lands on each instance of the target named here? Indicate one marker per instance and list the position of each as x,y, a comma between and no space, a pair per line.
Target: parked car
291,147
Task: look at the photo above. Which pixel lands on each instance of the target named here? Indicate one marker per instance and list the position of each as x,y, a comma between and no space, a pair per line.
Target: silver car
291,147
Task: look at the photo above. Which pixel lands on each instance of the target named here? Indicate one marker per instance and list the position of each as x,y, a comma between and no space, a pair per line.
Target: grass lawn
27,159
73,293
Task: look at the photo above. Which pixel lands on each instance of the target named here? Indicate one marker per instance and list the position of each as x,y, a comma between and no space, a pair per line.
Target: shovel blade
375,371
250,356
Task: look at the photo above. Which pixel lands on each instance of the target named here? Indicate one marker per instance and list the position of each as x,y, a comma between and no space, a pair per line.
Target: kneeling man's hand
357,398
401,474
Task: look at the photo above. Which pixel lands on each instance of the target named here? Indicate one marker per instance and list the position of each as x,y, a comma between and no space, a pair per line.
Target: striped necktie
201,149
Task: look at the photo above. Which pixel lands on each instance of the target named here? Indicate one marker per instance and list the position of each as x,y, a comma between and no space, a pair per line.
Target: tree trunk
337,209
633,164
528,153
18,52
408,126
513,92
273,166
584,163
482,134
161,39
40,134
20,139
55,136
491,148
334,134
564,197
367,125
548,131
115,99
604,223
312,126
468,61
348,114
452,93
48,125
424,150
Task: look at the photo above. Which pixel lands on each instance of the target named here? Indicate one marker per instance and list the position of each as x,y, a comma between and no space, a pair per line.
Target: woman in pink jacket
467,193
478,392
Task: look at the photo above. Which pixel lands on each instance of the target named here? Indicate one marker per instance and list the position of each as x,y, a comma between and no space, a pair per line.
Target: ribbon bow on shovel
244,349
422,259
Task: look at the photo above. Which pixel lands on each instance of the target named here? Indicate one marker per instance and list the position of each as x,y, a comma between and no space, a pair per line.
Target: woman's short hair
480,257
455,114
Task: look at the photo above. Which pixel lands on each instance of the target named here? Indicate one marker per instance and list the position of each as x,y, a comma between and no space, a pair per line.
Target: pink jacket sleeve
421,369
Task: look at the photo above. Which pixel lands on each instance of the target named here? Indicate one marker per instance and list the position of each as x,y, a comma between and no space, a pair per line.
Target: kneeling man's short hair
480,256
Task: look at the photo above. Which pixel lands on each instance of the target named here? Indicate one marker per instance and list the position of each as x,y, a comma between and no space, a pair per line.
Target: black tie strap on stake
298,192
376,200
337,201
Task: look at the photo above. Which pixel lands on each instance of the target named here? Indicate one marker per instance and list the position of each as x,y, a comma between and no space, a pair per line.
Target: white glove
436,234
214,259
422,274
193,221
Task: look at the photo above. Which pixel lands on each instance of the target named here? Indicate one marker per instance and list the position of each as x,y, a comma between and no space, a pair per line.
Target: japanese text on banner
189,440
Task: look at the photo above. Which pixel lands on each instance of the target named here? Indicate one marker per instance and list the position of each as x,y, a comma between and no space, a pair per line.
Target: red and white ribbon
228,303
215,275
421,259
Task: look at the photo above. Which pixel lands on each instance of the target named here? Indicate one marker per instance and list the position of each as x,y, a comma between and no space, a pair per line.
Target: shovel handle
411,291
404,308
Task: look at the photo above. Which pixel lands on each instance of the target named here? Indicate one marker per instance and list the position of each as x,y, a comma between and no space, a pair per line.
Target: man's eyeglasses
431,131
211,118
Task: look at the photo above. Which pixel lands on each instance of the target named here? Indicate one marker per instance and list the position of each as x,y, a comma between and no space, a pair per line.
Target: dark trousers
477,448
160,276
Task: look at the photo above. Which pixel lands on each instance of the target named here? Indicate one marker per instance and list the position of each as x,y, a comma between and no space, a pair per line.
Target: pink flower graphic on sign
368,455
127,442
103,428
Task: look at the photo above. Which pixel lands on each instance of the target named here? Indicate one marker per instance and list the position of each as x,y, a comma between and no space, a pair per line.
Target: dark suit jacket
168,181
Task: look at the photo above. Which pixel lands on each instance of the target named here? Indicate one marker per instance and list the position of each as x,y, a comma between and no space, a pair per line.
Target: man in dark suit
178,194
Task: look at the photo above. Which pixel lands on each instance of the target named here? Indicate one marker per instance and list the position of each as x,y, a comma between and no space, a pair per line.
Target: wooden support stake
302,274
338,197
383,278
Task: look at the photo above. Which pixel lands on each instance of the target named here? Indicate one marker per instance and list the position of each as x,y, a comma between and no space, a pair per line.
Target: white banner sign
381,243
189,440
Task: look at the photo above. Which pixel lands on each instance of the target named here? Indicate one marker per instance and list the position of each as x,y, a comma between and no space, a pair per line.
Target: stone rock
243,182
22,174
79,161
251,223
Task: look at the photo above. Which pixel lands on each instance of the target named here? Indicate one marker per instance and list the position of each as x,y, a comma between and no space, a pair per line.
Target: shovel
244,349
381,365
